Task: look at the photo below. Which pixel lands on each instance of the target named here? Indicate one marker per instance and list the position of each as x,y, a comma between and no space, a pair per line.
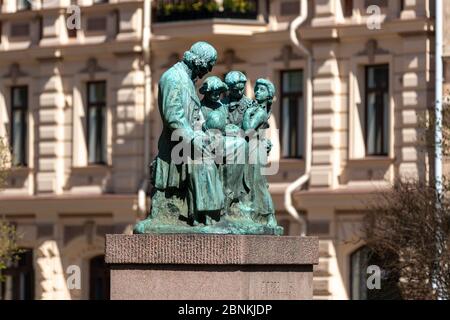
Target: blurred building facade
79,109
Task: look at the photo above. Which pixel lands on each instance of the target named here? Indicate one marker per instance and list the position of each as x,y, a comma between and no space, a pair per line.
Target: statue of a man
179,107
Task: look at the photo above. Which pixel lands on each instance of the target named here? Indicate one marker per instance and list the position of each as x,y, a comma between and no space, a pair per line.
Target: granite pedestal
211,267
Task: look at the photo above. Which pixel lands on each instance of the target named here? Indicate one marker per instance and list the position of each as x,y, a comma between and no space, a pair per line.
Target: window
289,8
19,124
99,279
23,5
377,110
96,24
19,279
380,3
20,29
41,28
292,113
96,122
117,22
347,8
359,261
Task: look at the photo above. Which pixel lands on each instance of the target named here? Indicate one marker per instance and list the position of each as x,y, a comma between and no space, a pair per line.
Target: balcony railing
177,10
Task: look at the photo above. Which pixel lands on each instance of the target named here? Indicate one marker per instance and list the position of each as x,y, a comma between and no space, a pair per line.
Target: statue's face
213,96
237,90
261,93
202,71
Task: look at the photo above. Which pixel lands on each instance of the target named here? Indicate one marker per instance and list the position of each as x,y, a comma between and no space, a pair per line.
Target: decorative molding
230,58
92,67
125,54
372,50
45,230
71,232
49,59
287,54
90,230
14,73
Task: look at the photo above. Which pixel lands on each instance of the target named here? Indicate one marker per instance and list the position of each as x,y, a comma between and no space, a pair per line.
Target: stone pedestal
211,267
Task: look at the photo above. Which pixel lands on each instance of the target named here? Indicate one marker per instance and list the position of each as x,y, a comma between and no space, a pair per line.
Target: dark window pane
380,3
292,81
300,127
97,92
360,260
19,97
92,139
377,110
20,29
23,5
17,142
348,8
99,279
19,112
96,122
19,284
96,24
292,114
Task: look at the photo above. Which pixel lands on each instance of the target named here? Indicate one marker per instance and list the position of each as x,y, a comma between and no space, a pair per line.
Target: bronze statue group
224,190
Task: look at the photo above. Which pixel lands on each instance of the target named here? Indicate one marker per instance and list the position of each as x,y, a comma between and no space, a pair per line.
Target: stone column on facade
326,116
51,281
51,28
325,12
414,94
51,133
415,8
127,109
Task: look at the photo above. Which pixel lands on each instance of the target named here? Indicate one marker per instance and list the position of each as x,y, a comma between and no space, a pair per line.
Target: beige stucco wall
61,191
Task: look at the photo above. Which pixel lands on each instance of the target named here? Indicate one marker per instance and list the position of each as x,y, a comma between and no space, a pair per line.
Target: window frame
362,249
23,5
347,8
24,121
16,271
389,281
300,154
99,270
99,124
376,91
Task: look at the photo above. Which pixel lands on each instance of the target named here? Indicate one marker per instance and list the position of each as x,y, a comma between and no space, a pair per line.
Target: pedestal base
211,267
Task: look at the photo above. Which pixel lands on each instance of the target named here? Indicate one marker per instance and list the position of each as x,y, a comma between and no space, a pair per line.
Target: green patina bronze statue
236,101
208,174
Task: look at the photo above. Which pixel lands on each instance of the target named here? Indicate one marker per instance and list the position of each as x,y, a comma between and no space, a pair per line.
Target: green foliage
205,7
169,8
241,6
9,249
5,161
